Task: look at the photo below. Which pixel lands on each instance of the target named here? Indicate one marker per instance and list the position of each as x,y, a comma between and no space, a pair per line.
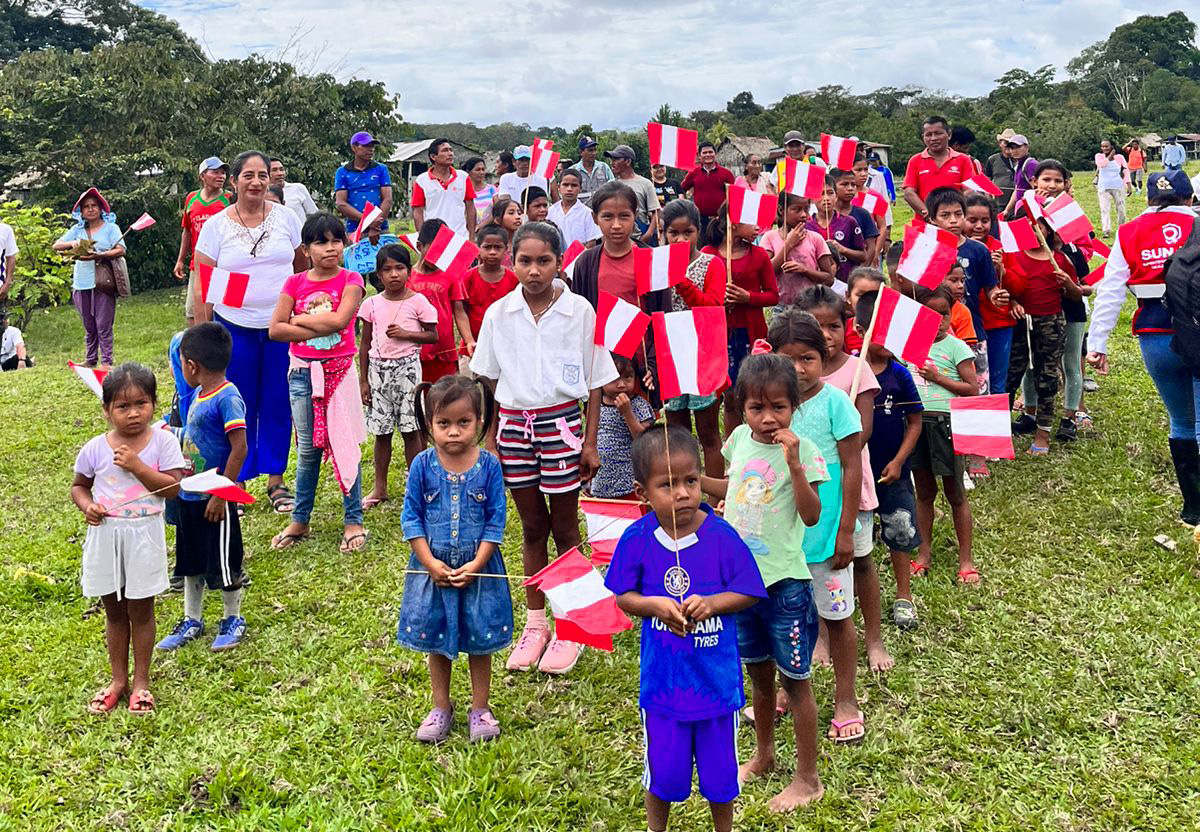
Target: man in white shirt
515,183
12,346
8,262
295,194
443,192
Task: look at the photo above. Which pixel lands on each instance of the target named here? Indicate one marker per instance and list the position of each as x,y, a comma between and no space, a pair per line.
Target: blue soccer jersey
205,438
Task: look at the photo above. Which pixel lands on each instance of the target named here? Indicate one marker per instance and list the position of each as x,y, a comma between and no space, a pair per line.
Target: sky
611,64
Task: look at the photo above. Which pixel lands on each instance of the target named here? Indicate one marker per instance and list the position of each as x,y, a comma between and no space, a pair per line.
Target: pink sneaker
529,649
560,657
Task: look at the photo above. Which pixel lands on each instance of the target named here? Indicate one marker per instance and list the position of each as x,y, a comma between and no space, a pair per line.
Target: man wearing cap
362,180
515,183
592,171
937,166
707,184
646,218
1173,155
1023,167
207,202
295,194
999,167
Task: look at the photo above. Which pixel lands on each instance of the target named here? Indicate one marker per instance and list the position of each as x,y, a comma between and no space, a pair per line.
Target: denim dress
455,513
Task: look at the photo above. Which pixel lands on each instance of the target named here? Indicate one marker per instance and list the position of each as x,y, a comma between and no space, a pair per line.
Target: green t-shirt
761,504
947,354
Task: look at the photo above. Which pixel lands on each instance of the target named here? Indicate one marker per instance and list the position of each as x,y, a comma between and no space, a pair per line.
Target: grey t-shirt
647,198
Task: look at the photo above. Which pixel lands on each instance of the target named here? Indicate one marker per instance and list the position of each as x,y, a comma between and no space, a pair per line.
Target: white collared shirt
544,363
575,225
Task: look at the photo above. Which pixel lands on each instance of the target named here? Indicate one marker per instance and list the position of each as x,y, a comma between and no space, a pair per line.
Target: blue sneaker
187,630
230,633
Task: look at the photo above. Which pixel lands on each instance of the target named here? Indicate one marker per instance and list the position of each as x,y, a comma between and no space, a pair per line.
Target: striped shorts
540,446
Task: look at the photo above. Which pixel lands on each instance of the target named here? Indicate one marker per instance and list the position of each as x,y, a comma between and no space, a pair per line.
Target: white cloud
565,62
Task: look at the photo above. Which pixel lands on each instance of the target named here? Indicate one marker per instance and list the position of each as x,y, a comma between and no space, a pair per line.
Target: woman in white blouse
262,239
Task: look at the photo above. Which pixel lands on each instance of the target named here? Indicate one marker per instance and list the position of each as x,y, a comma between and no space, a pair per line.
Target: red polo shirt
924,174
708,188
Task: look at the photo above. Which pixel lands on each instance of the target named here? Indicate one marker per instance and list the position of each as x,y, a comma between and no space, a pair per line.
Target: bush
42,277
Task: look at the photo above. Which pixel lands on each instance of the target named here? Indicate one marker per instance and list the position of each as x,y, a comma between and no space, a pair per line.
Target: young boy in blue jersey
208,543
685,572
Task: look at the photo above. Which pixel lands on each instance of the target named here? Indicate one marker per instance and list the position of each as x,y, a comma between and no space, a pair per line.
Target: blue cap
587,141
213,163
522,151
364,138
1169,183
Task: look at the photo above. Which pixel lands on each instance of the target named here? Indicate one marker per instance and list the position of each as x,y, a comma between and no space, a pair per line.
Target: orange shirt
961,325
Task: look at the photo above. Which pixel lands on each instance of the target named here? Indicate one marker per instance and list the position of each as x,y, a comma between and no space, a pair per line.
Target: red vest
1147,242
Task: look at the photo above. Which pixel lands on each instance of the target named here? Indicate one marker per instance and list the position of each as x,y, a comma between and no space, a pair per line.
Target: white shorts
864,534
833,590
127,556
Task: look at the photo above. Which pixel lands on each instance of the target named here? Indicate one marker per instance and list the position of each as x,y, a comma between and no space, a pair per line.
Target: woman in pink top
315,313
753,177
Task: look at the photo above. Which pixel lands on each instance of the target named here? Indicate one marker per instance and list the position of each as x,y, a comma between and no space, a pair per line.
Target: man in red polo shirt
706,185
937,166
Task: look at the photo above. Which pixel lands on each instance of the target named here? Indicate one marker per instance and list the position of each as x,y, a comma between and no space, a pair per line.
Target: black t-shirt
669,189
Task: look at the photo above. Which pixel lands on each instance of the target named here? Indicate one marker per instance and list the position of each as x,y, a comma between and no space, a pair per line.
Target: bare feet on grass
755,767
878,658
821,652
800,792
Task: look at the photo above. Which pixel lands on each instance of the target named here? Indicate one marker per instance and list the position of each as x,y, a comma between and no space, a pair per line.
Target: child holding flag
570,215
686,573
997,311
489,281
841,232
802,258
446,293
624,416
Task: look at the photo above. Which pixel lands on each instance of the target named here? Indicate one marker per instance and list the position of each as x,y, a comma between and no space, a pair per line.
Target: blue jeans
781,627
1177,387
308,458
999,347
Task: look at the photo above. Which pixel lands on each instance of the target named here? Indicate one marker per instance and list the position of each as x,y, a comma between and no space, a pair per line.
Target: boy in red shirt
209,201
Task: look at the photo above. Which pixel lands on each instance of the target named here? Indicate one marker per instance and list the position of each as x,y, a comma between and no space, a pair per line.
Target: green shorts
689,402
935,447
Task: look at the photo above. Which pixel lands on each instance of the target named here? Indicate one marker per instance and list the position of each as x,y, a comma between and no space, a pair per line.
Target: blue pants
999,347
673,746
308,458
259,371
1177,387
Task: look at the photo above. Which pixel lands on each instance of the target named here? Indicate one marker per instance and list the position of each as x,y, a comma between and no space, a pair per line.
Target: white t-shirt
9,341
8,248
445,201
576,224
229,244
297,197
514,185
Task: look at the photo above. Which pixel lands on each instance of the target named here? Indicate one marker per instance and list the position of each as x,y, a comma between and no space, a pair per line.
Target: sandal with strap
141,703
968,576
918,569
348,542
105,701
835,729
282,499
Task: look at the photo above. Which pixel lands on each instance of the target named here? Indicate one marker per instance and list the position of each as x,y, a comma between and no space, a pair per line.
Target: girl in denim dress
454,512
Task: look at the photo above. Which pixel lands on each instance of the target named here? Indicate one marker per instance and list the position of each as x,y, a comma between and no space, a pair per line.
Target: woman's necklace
245,229
537,316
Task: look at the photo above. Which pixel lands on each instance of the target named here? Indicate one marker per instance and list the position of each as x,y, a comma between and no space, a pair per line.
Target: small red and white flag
660,267
1017,235
904,327
838,152
692,350
800,178
929,252
1032,206
1067,218
620,325
410,240
142,223
218,286
450,252
544,164
1100,247
90,376
983,185
210,482
570,256
751,207
674,147
875,202
585,610
370,214
981,425
606,521
1095,275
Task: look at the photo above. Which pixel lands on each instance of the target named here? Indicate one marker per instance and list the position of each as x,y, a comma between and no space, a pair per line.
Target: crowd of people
821,446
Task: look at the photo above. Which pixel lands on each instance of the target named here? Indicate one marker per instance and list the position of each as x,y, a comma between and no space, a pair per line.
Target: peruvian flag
1095,275
543,164
90,376
980,425
369,215
661,267
450,252
585,611
838,152
875,203
1032,206
410,240
674,147
606,521
981,183
800,178
540,147
1101,248
929,252
692,349
619,324
210,482
1017,235
752,208
570,256
142,223
218,286
1067,218
904,327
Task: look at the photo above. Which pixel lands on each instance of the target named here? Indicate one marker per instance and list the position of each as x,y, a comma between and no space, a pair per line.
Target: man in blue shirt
1173,155
362,180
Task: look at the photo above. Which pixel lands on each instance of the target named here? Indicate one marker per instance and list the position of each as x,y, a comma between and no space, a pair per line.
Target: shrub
42,277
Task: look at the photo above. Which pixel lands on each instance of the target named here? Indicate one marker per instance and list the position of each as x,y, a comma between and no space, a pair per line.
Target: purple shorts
672,746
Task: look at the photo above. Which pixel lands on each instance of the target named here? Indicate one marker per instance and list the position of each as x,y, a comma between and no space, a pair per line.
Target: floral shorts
393,383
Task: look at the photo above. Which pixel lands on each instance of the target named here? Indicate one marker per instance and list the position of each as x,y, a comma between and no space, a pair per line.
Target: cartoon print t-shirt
761,503
312,297
113,485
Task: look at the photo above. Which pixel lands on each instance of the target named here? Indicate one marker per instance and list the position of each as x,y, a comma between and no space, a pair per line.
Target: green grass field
1060,694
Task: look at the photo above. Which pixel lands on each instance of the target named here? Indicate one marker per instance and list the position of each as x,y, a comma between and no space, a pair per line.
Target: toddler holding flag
445,292
686,573
624,416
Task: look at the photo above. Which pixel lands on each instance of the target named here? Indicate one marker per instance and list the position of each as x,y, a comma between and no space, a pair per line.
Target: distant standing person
505,164
514,184
210,200
443,192
1173,155
999,167
646,218
753,177
362,180
937,166
295,194
961,139
665,187
1137,164
1112,185
707,183
485,191
1024,168
94,221
595,172
8,263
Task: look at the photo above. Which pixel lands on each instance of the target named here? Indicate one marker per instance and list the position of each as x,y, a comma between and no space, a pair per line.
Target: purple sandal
483,724
437,725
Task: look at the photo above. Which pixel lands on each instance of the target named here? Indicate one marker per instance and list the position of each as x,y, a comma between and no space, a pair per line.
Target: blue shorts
738,347
898,514
782,627
673,745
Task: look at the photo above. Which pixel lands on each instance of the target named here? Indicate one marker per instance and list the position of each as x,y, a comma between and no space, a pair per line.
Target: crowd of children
823,436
